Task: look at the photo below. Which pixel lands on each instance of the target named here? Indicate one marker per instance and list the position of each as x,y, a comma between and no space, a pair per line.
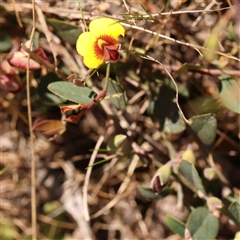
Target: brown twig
212,72
33,160
17,13
121,189
176,87
87,178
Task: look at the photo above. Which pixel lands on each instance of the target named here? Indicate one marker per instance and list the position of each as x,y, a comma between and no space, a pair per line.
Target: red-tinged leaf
71,107
49,127
6,68
40,52
75,118
20,60
10,83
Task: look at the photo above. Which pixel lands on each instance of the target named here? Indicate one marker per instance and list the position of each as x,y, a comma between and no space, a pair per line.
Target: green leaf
231,35
116,141
229,92
4,169
190,173
5,41
165,110
174,127
234,210
147,192
203,104
2,9
68,32
70,91
8,229
202,224
187,66
98,162
45,95
116,94
205,126
175,225
182,88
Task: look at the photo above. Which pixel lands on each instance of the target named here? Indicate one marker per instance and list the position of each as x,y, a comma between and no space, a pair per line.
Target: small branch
87,178
218,173
107,77
212,72
33,160
121,189
17,14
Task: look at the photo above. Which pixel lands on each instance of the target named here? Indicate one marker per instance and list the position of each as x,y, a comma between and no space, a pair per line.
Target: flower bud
116,141
214,203
160,178
209,174
188,155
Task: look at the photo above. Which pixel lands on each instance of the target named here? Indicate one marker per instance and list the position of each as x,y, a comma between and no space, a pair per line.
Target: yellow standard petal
85,42
85,48
106,27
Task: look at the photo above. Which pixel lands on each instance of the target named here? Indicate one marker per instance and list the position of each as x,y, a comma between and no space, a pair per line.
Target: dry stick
218,173
7,104
210,5
176,87
74,14
17,14
122,188
47,33
212,72
182,12
33,164
87,178
196,47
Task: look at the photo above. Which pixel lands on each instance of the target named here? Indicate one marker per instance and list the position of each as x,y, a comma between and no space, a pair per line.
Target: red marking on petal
111,53
102,42
108,39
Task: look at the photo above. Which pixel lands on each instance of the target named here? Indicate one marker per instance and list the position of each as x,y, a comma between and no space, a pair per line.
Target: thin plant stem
83,18
33,165
107,77
175,84
17,14
87,178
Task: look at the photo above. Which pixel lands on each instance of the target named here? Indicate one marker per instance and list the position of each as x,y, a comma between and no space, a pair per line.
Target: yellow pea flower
100,44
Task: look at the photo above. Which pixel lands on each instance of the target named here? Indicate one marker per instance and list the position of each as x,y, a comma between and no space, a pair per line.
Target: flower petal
85,42
106,26
91,61
85,47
